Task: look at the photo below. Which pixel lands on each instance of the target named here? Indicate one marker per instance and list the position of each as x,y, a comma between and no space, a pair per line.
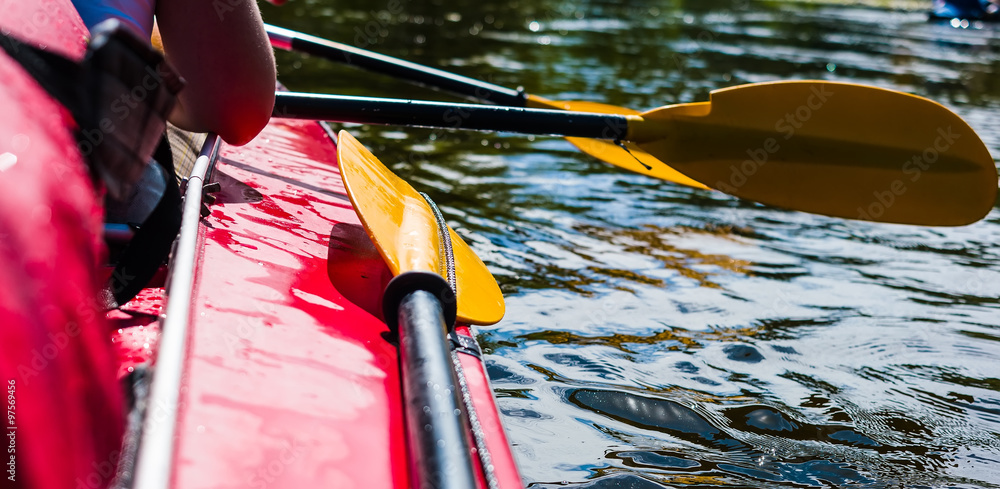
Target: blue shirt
135,14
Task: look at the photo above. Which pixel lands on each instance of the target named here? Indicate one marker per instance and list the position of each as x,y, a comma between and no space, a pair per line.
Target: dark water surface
660,335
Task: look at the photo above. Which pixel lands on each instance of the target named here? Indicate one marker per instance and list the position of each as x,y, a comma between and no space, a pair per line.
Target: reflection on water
663,336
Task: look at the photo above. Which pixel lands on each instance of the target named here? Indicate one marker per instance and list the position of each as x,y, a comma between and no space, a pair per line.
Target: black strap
465,344
117,64
150,246
119,96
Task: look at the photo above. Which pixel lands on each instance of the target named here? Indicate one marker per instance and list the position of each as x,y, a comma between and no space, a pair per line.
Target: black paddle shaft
437,430
370,110
395,67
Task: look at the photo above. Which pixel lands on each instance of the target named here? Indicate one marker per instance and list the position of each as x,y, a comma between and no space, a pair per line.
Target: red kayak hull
292,381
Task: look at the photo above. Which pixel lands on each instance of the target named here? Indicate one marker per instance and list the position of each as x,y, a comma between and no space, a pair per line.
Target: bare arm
221,49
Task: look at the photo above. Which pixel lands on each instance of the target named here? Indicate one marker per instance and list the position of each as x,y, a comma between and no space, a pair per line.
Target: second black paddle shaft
369,110
395,67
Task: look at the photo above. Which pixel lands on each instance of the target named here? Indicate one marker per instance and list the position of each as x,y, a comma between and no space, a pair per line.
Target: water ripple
660,336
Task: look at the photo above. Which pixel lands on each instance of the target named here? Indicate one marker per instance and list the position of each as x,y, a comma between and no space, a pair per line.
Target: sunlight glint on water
658,335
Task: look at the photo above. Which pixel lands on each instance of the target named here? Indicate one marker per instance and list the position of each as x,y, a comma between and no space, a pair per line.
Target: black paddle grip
405,284
437,428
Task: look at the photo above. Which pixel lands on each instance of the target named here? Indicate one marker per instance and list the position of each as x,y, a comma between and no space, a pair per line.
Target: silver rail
154,461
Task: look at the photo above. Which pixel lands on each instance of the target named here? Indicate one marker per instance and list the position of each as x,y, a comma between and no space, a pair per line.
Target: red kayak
275,367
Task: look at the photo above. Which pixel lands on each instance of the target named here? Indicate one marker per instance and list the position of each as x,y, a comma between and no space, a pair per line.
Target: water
659,335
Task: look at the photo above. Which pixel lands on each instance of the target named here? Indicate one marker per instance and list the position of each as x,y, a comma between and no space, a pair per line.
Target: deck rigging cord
448,260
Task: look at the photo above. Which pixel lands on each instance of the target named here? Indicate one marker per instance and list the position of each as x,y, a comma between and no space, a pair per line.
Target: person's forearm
222,51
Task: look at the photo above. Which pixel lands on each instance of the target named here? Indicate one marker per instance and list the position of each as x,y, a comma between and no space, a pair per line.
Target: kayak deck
289,383
291,377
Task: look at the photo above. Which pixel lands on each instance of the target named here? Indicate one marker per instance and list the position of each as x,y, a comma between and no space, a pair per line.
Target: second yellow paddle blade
401,224
635,159
829,148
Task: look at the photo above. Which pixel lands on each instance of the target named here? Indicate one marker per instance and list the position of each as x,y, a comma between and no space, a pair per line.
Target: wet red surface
49,24
135,329
56,363
289,383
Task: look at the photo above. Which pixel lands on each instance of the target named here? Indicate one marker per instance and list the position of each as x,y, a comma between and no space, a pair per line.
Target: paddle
835,149
421,250
401,225
639,161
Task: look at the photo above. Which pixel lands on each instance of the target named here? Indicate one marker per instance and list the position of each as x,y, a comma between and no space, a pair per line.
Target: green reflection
654,241
672,340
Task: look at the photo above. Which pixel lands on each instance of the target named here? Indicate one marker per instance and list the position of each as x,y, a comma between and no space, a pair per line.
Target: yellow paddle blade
611,153
402,226
829,148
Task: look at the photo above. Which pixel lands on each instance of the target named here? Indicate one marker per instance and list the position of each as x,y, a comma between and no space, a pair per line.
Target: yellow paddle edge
635,159
835,149
402,226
